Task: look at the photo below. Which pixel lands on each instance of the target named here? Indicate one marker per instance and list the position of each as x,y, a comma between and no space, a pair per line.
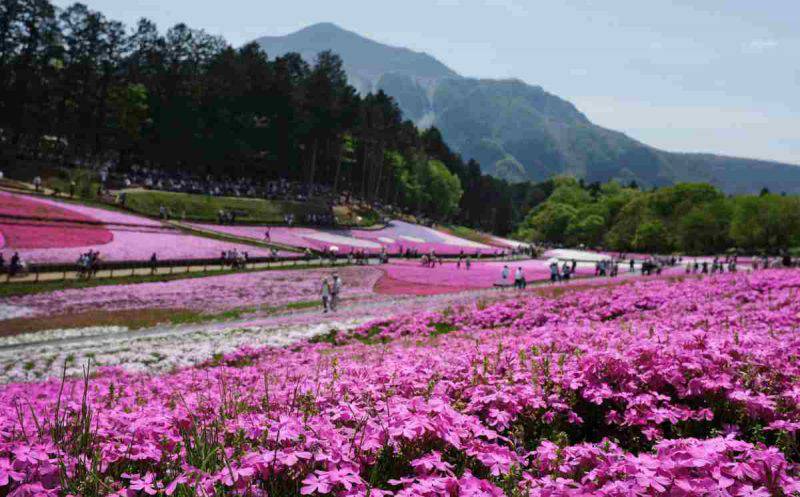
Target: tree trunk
380,172
313,168
338,169
365,169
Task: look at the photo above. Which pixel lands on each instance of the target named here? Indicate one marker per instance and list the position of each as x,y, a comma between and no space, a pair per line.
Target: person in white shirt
519,279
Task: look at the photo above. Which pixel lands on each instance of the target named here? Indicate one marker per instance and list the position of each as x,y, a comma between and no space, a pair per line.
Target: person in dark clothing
14,264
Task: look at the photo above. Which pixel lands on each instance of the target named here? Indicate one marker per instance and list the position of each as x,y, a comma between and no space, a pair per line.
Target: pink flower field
398,235
19,233
213,294
405,277
122,237
654,388
297,237
275,288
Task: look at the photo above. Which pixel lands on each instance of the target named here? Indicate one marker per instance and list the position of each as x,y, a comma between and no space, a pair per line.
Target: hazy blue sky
705,75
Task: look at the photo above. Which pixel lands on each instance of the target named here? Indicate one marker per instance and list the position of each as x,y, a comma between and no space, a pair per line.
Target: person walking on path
554,272
326,295
15,264
336,289
519,279
504,275
566,272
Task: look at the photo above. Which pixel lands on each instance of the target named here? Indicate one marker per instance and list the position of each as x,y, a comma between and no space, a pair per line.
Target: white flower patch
412,239
14,311
342,240
147,352
59,334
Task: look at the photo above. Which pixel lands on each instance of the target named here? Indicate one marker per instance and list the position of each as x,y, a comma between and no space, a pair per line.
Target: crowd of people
430,259
235,258
563,272
730,264
183,182
15,265
311,218
520,283
88,264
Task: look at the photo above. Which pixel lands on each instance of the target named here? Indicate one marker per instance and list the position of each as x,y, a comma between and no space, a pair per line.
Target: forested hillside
79,89
689,218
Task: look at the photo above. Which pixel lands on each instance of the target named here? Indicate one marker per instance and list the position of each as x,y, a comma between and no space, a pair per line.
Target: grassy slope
205,208
258,211
466,233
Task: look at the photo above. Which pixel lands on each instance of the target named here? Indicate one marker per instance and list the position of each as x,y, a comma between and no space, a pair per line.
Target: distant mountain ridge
519,131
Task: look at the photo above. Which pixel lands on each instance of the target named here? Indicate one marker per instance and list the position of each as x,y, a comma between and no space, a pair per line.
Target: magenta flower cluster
650,388
121,237
396,236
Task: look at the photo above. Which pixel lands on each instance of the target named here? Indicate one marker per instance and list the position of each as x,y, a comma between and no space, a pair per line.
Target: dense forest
689,218
78,88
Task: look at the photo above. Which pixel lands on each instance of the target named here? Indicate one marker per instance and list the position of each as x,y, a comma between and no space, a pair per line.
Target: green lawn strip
466,233
206,208
32,288
194,317
225,237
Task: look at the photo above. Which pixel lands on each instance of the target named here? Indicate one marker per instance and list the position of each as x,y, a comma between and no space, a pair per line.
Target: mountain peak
324,26
325,29
362,57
